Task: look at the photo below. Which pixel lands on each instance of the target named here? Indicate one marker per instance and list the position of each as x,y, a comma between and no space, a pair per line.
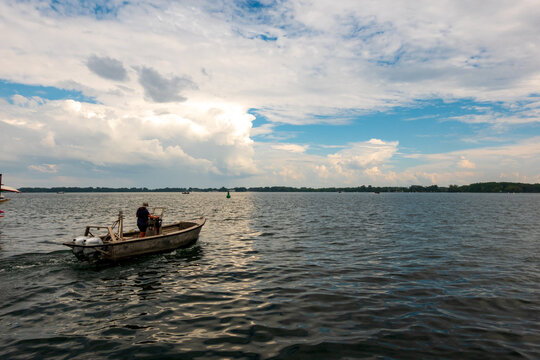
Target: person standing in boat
142,219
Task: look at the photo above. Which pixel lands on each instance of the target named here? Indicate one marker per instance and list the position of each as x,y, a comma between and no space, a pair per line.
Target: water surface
278,275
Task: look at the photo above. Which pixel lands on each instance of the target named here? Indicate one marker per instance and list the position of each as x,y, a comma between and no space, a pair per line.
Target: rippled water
280,275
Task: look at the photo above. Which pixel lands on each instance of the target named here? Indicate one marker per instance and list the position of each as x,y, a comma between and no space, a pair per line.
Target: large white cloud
377,162
352,165
196,137
510,162
326,55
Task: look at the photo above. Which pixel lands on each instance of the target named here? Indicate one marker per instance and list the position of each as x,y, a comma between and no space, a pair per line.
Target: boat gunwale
197,224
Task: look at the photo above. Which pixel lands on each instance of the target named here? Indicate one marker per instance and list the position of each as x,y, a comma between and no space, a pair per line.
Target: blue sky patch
100,9
8,89
254,5
267,38
428,127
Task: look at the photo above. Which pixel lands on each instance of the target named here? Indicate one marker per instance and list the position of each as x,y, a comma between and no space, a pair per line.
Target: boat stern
88,248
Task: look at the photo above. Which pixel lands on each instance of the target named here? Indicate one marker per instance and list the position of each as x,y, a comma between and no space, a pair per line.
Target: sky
268,93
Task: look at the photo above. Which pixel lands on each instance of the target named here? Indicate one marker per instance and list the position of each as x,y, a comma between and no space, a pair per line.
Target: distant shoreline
487,187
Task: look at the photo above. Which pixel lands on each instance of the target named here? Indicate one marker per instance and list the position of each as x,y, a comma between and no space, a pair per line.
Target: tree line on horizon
487,187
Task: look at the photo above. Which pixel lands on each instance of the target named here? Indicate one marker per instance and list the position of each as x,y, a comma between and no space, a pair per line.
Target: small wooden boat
119,245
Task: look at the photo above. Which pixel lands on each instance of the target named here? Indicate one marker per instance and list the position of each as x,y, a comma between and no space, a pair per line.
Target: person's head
145,204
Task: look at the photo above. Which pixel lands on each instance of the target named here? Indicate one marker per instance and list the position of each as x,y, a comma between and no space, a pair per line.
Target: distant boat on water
6,188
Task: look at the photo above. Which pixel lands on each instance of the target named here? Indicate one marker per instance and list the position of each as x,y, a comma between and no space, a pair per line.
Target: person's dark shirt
142,216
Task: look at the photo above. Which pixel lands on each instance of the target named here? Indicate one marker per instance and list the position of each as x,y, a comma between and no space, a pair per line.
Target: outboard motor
79,240
90,251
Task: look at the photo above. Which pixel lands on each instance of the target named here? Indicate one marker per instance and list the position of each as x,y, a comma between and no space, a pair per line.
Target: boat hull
174,236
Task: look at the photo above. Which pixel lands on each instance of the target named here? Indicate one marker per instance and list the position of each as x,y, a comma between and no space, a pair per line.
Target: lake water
278,275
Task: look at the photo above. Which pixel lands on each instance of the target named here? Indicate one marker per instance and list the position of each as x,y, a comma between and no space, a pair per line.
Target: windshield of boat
158,211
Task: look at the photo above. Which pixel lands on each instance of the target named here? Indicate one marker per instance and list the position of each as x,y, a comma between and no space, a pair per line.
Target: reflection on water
278,275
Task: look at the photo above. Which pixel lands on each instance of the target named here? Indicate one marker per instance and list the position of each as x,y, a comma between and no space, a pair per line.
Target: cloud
481,164
351,164
196,138
364,154
291,147
497,118
338,56
44,168
160,89
466,164
107,68
380,162
48,140
262,130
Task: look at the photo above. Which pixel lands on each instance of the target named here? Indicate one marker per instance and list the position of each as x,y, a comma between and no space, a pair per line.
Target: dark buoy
228,195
